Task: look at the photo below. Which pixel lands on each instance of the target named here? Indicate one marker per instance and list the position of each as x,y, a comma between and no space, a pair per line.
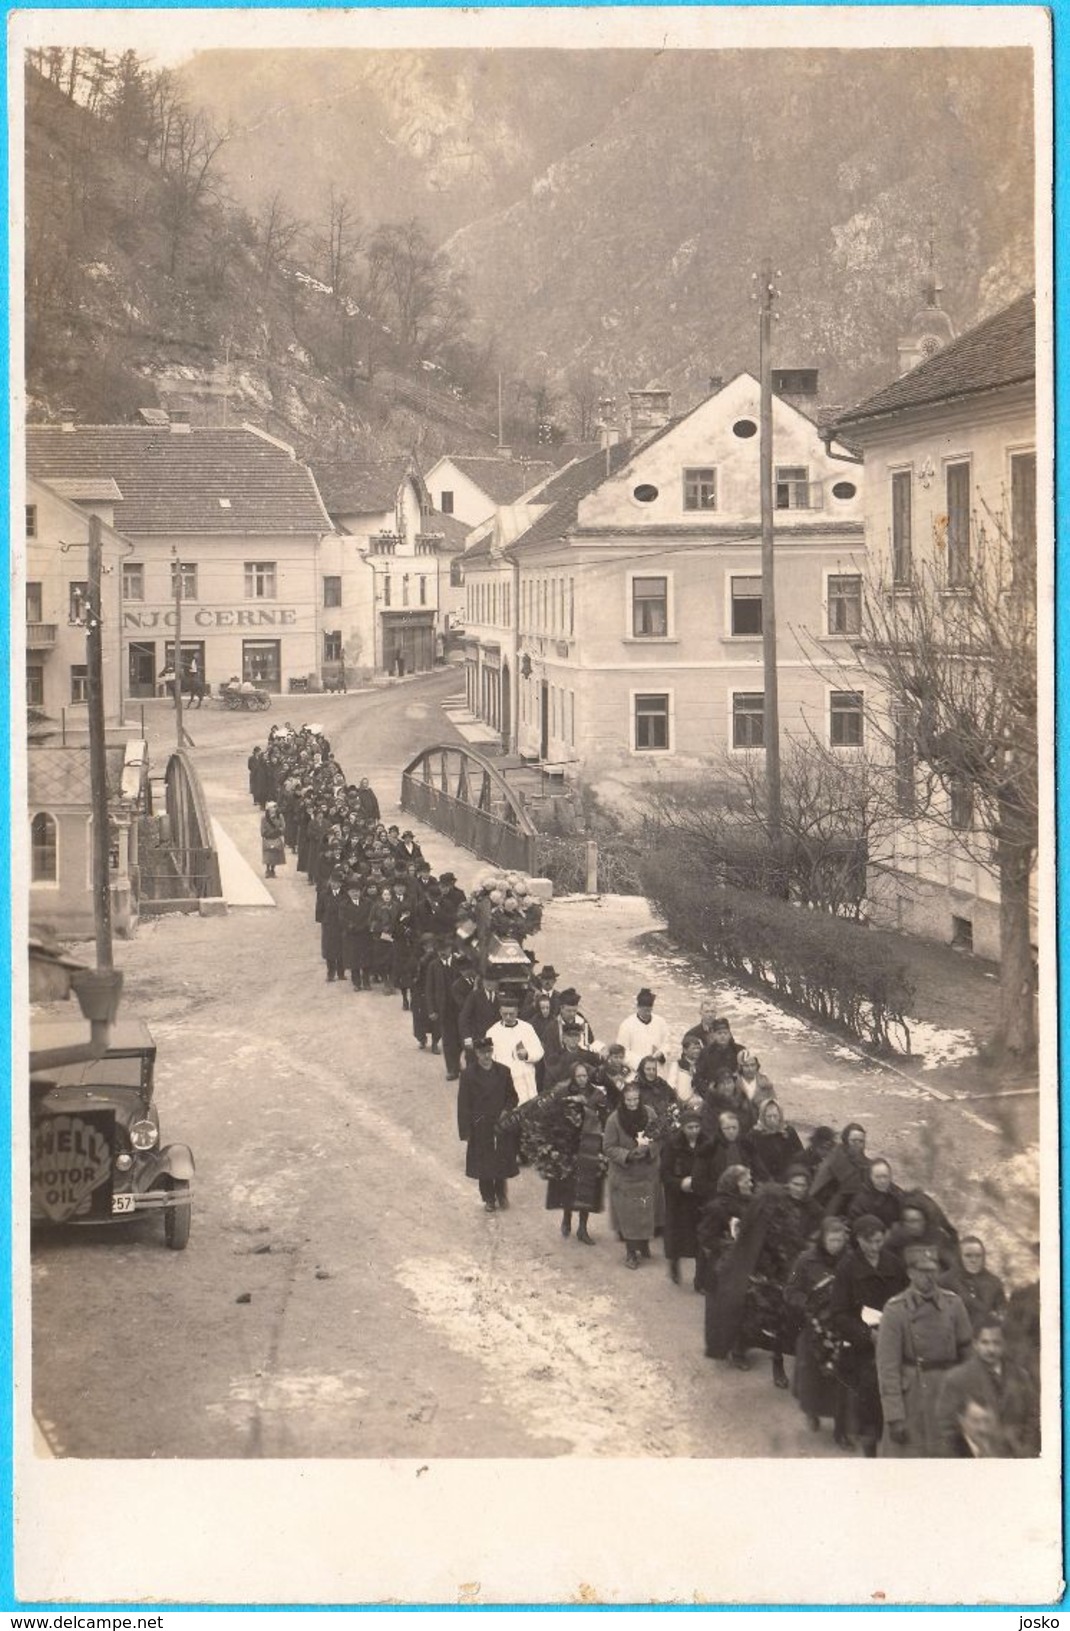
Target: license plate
122,1203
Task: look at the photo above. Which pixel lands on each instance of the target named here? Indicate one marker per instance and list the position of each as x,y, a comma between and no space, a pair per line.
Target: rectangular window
748,719
1024,503
262,663
572,719
332,645
652,722
958,525
423,591
700,489
960,794
845,603
189,579
133,580
650,607
260,580
192,656
446,505
78,595
845,719
35,605
386,588
902,525
405,589
332,591
905,754
35,685
792,487
746,605
571,605
79,682
31,520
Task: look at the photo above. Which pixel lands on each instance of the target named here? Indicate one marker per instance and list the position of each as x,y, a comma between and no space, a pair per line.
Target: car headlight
142,1134
124,1161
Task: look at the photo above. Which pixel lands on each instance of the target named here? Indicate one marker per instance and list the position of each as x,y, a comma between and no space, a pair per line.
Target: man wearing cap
643,1034
516,1045
485,1090
923,1333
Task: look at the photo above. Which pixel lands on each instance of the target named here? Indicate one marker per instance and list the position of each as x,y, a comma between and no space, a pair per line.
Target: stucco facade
56,561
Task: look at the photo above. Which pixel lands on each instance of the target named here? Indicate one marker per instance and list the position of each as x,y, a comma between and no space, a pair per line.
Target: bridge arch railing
464,796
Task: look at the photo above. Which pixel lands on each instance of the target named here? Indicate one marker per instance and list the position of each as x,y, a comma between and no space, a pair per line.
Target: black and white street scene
538,878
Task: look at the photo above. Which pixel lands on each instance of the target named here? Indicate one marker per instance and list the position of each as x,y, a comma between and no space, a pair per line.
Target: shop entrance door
141,659
261,662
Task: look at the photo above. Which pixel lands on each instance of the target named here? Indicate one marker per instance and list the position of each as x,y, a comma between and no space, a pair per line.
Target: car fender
177,1159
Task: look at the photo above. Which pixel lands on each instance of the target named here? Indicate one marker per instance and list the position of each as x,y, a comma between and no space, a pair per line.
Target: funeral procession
533,816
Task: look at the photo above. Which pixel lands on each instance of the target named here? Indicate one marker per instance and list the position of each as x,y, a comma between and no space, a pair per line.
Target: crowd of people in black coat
809,1250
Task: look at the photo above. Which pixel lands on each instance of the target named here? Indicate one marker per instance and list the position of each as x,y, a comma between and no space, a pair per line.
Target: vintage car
96,1155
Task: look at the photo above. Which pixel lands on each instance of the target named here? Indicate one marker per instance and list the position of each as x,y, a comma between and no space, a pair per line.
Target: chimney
649,410
180,421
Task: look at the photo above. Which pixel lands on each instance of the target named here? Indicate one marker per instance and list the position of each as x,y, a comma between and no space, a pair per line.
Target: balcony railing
40,636
385,543
425,544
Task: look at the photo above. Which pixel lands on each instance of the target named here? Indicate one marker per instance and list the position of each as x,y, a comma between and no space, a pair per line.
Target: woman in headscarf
878,1197
718,1227
654,1090
773,1144
866,1277
681,1197
540,1016
749,1310
272,839
816,1382
725,1147
580,1132
634,1180
842,1173
808,1213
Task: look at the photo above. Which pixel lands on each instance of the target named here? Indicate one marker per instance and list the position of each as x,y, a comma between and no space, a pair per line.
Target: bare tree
278,234
955,648
838,824
414,290
586,387
192,147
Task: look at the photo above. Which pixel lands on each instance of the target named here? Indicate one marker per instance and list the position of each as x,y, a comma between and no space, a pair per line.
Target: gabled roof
364,486
566,490
196,481
87,489
452,531
503,480
999,352
59,777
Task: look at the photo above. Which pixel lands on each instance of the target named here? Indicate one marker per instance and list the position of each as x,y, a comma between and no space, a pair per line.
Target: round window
844,489
645,493
744,428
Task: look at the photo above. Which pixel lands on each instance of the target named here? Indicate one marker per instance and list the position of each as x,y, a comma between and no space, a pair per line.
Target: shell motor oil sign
70,1172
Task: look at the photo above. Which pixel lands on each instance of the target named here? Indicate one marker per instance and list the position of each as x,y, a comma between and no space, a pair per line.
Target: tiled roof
565,492
197,481
450,528
503,480
361,486
997,353
59,777
86,488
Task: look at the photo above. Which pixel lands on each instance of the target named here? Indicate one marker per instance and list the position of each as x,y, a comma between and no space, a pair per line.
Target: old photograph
533,803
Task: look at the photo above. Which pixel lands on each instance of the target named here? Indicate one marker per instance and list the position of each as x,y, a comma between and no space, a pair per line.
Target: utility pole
501,433
181,737
98,763
771,708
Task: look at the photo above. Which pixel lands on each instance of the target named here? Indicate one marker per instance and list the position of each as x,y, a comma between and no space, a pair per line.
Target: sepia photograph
532,766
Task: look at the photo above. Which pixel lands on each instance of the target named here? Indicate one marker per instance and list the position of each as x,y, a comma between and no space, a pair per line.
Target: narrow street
343,1293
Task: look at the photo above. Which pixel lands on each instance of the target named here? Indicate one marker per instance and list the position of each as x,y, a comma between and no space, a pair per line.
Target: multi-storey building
950,458
233,512
636,601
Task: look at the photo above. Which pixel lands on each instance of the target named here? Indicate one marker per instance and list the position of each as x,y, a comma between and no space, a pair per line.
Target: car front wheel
178,1217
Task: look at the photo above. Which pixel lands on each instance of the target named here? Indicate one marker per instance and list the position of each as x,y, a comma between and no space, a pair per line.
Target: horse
192,685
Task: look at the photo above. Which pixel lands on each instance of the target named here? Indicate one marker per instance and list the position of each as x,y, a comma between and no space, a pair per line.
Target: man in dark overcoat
1003,1390
332,926
442,1009
485,1090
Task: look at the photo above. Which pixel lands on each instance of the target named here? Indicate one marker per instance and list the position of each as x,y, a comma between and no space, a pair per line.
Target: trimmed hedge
823,966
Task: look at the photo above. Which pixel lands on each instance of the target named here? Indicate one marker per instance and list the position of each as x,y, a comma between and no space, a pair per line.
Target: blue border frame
1059,11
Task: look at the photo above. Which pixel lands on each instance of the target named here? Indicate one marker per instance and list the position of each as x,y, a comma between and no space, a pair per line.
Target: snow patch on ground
934,1046
561,1360
294,1390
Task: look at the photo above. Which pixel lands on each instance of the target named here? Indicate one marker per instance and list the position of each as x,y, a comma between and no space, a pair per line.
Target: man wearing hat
924,1332
451,899
567,1014
571,1052
442,1014
542,985
485,1090
643,1034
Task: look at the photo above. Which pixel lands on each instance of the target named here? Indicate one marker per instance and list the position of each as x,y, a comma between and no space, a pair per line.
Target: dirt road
343,1293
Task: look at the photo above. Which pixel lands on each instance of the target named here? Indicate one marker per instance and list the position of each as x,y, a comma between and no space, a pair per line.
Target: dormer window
700,489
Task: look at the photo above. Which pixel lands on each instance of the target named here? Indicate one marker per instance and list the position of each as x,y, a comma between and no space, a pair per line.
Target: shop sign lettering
204,617
70,1170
